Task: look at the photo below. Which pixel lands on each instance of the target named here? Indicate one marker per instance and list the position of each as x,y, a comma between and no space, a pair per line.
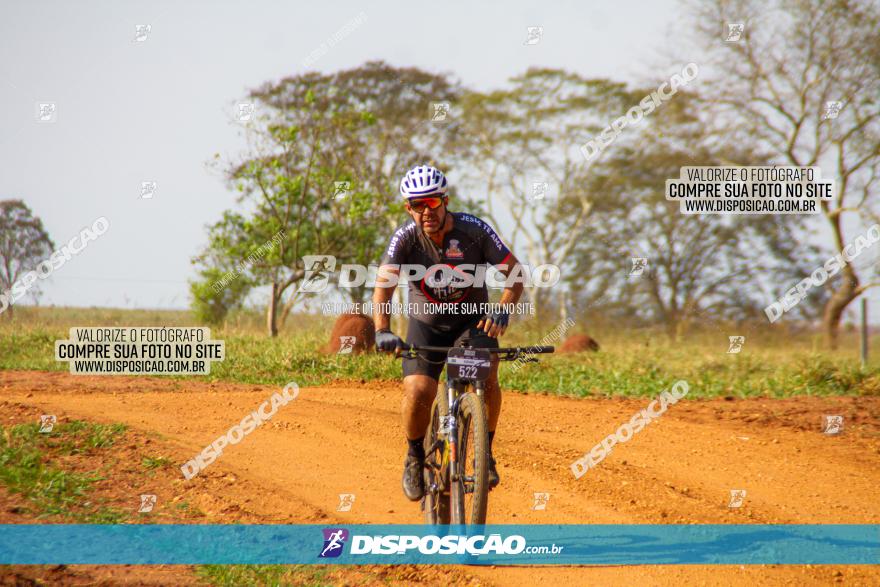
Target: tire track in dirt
346,438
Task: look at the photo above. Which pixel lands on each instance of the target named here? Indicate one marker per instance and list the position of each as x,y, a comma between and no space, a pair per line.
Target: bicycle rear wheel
470,489
436,502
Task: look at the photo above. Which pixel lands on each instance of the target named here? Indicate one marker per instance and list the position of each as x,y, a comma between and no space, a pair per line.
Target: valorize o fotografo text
140,350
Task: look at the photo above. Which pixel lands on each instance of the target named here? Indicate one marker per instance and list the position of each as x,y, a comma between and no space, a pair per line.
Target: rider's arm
512,291
498,254
510,295
382,294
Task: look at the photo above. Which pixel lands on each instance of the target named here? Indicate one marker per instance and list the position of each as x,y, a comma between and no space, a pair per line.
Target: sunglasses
419,206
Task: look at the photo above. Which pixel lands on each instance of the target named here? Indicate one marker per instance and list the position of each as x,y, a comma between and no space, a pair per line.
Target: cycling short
431,364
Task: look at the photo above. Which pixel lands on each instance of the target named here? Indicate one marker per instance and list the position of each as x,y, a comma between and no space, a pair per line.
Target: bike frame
447,471
447,436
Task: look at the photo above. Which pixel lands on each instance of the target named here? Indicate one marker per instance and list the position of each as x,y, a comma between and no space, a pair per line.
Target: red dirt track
346,438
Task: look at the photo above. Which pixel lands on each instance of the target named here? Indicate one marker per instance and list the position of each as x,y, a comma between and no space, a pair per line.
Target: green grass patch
264,575
80,437
151,463
25,468
186,507
622,373
632,363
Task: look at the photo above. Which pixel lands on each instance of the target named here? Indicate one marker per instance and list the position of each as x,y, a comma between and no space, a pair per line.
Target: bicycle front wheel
470,488
436,500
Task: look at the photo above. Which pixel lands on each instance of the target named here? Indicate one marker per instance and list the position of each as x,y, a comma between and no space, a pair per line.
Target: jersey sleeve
398,245
494,249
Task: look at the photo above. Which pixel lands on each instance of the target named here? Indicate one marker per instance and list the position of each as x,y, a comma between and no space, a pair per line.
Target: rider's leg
419,388
493,409
420,376
418,395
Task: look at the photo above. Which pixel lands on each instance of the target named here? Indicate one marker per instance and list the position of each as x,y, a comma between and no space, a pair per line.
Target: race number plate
473,364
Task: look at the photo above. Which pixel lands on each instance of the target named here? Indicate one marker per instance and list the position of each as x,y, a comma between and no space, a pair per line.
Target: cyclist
436,237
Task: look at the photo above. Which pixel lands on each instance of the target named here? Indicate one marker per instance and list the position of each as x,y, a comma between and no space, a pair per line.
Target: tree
24,244
780,83
225,277
404,134
698,266
522,144
358,127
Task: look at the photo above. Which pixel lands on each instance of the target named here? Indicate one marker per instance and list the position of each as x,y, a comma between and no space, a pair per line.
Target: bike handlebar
502,354
533,350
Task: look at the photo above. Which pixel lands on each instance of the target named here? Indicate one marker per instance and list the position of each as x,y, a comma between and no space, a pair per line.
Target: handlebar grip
542,349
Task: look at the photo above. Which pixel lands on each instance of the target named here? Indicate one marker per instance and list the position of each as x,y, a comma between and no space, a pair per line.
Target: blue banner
622,544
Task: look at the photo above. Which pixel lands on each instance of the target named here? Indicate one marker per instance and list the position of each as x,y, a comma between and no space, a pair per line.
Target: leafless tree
781,83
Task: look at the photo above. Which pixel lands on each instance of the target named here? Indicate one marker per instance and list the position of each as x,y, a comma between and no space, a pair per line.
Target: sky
158,107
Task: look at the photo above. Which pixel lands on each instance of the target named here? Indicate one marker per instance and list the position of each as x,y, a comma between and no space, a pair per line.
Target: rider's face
428,218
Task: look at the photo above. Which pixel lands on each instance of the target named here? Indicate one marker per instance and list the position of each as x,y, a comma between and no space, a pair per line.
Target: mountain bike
457,441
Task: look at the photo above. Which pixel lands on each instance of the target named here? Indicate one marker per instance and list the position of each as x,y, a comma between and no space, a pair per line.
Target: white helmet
421,181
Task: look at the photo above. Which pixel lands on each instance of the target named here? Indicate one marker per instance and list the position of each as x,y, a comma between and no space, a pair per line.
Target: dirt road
347,438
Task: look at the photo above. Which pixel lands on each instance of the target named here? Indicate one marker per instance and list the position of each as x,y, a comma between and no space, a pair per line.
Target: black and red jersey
470,245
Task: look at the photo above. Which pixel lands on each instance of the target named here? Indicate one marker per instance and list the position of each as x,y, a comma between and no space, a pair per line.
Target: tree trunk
834,309
272,311
673,326
841,298
291,300
285,310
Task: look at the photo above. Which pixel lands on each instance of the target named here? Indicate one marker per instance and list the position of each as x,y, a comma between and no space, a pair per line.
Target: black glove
387,341
495,320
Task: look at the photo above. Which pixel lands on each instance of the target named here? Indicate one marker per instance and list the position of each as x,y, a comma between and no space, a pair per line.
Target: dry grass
635,362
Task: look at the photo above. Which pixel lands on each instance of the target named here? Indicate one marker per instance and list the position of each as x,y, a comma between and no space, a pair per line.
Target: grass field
49,486
50,474
632,363
236,575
